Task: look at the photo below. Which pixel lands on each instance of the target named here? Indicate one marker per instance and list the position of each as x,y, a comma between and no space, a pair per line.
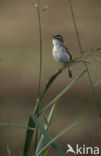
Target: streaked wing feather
68,52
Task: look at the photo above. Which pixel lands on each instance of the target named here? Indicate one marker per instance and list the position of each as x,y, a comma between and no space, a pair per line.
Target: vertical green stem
40,70
81,51
40,36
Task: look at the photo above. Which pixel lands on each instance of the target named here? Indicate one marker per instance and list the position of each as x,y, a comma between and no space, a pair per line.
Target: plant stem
81,51
40,70
40,36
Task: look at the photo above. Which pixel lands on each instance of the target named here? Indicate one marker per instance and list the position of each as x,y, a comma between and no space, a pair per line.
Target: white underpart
59,53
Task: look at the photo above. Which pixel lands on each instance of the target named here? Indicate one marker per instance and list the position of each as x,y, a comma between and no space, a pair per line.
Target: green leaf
45,133
40,70
14,125
40,37
51,80
46,152
42,138
64,131
29,135
44,116
65,90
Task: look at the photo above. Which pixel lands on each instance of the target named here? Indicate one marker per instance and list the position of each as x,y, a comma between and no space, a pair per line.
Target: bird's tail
70,72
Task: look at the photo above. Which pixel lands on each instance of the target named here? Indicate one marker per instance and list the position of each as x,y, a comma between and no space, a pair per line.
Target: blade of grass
65,90
44,116
8,150
81,51
15,125
40,71
51,80
45,133
37,6
29,135
42,138
46,152
36,140
64,131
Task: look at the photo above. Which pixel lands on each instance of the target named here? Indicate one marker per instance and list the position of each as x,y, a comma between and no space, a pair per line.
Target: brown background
19,49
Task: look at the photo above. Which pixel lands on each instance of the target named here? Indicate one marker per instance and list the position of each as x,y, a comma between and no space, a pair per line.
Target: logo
83,150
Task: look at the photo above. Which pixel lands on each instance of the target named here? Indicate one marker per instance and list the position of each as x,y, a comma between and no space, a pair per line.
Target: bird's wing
66,50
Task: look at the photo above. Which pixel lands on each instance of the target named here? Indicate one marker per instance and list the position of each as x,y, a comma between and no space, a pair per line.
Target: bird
61,53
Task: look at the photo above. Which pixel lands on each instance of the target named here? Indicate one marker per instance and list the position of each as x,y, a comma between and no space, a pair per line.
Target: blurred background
19,49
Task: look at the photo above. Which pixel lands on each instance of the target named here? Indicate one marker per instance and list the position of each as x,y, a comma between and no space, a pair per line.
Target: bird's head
57,40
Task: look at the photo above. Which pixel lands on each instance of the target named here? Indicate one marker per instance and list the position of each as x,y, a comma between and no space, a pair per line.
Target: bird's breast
60,56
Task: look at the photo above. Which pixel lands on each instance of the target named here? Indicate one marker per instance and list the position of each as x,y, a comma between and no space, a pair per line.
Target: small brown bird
60,52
